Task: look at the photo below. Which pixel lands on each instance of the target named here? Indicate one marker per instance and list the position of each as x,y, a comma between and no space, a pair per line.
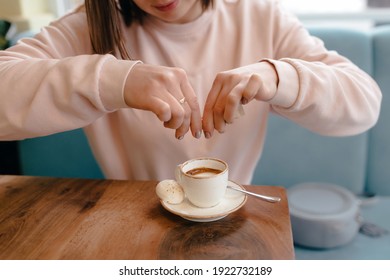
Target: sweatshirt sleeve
53,82
319,89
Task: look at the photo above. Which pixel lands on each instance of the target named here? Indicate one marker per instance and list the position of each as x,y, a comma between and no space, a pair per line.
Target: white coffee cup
204,180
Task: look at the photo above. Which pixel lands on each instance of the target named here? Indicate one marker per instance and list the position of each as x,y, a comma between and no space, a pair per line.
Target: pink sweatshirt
54,83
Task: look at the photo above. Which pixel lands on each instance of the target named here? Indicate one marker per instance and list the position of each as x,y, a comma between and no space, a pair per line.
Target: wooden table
45,218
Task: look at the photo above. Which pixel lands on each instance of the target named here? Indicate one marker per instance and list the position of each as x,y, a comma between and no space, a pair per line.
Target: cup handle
178,174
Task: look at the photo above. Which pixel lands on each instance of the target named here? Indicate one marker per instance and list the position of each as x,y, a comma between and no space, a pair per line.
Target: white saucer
232,201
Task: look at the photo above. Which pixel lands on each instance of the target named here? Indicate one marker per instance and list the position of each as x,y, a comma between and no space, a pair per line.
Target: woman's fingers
231,89
241,94
191,104
185,125
223,104
166,92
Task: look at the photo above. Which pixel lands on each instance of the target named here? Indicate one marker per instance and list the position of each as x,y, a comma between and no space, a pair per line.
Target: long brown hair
104,21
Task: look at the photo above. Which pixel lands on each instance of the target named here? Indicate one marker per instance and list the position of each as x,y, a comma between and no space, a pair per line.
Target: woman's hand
166,92
235,87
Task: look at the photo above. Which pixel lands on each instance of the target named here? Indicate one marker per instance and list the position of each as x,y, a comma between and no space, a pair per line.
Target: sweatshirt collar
181,29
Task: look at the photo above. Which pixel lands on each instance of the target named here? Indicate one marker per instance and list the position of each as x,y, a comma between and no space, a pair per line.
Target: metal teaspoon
271,199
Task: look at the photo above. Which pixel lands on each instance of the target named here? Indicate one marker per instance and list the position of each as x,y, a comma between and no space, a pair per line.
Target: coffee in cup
204,180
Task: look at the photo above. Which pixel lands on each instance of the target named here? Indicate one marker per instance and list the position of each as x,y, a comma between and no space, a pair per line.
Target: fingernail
198,134
207,135
180,137
244,101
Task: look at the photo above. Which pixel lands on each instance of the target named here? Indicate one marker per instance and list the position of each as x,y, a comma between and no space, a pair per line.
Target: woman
116,65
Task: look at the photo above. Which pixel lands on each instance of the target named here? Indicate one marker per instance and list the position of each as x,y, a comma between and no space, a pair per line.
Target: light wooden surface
55,218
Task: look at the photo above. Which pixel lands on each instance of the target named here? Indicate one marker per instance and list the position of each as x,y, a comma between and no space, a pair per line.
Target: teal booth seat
65,154
292,155
378,161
